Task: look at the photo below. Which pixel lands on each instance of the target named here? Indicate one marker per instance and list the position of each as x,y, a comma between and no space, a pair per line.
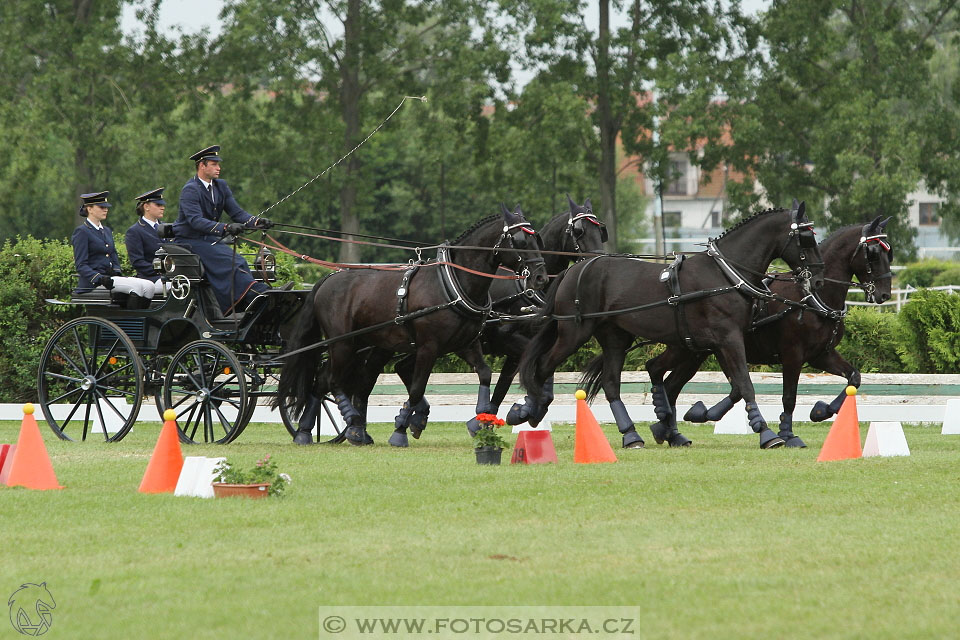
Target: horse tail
591,380
541,342
299,373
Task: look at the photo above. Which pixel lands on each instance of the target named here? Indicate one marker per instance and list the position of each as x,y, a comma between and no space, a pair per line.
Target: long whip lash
345,156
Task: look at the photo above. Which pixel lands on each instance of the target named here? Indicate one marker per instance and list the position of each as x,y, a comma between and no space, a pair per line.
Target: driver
203,199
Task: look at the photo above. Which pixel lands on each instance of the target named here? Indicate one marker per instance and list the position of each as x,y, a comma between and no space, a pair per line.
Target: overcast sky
193,15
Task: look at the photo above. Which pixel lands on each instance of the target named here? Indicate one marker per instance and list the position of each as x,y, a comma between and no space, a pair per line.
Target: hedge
923,338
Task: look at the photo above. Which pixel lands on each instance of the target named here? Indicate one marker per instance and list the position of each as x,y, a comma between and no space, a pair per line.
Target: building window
671,219
677,184
929,213
716,219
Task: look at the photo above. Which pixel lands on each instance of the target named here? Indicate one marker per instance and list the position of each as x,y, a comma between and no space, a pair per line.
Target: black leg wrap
520,413
483,406
786,432
357,434
307,422
720,409
697,413
418,418
660,432
347,410
661,404
821,410
631,439
757,423
677,439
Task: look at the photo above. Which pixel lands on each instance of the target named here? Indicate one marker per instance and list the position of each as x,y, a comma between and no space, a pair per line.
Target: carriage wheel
206,387
91,366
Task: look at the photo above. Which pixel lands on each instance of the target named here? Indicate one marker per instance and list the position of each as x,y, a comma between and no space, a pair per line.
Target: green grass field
721,540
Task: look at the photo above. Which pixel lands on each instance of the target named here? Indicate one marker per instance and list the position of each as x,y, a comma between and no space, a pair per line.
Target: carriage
181,352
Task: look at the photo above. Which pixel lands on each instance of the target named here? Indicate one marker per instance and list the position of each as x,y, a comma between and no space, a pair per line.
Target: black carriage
182,351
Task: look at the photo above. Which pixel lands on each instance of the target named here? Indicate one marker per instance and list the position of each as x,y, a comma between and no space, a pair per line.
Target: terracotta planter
225,490
488,455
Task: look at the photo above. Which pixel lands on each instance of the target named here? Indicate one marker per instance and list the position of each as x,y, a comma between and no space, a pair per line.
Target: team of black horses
503,288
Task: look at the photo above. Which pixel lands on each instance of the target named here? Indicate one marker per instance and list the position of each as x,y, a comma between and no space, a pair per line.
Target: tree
685,50
844,113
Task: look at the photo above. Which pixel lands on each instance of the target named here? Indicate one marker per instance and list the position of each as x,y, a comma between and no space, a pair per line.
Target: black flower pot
488,455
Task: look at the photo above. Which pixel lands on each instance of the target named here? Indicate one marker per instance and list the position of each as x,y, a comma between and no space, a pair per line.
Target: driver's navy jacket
94,255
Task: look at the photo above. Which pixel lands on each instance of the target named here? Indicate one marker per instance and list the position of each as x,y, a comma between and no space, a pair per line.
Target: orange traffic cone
165,465
590,445
843,440
534,447
31,466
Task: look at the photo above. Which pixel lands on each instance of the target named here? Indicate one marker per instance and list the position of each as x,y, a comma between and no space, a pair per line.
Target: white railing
899,297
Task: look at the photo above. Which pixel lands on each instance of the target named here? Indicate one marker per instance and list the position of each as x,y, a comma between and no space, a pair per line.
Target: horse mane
746,220
476,225
833,237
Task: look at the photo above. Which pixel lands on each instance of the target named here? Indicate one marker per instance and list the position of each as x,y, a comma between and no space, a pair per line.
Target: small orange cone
590,445
165,465
31,466
534,447
843,440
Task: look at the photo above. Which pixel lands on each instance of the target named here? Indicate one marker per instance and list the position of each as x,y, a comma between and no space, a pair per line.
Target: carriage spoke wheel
90,381
327,407
207,389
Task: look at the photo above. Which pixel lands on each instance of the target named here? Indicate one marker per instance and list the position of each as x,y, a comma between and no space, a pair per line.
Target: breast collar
454,292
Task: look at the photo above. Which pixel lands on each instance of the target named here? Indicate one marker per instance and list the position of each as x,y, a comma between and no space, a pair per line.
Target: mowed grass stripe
719,540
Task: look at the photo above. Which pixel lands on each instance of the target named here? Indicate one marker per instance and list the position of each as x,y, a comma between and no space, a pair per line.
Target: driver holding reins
203,199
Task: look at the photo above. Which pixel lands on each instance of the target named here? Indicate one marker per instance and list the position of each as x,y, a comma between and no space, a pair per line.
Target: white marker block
951,418
544,425
196,477
885,439
734,422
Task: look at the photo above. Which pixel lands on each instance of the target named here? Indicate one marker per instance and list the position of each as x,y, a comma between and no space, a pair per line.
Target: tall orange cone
843,440
31,466
590,445
165,465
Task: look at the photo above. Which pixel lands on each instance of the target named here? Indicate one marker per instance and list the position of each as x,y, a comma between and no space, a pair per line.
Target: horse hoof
517,414
790,440
357,436
659,431
679,440
697,413
632,440
770,440
399,439
303,438
473,426
820,411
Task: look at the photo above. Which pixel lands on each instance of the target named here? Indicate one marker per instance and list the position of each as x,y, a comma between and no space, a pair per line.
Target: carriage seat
97,296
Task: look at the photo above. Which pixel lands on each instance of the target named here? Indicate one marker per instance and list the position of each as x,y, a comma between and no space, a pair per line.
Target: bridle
523,265
869,285
572,229
806,240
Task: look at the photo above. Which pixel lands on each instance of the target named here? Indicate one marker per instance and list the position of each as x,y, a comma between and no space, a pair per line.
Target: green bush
947,277
869,342
928,336
922,274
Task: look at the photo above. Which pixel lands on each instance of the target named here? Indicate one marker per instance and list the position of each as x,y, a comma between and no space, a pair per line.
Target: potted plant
260,481
488,443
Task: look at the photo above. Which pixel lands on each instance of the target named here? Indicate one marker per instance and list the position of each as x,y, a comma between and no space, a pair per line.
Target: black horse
571,236
366,316
789,335
702,301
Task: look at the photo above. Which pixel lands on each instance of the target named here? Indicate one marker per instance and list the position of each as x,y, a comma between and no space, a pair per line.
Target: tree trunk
609,126
350,106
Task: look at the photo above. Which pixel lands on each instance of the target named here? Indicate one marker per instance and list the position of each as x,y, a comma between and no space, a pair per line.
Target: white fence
899,297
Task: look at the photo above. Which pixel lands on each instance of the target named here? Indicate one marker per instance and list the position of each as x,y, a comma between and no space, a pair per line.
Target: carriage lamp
265,264
169,264
157,264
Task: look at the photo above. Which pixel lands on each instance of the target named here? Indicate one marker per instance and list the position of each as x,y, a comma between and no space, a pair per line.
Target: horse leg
308,420
733,361
614,345
414,371
664,392
473,356
791,376
514,347
366,381
833,362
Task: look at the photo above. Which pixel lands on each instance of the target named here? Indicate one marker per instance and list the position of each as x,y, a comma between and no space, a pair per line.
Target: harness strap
403,291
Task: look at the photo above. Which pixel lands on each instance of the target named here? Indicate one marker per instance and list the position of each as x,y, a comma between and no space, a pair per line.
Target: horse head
519,248
584,232
871,261
801,251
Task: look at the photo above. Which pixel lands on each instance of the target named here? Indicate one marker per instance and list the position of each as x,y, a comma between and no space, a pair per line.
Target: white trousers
139,286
